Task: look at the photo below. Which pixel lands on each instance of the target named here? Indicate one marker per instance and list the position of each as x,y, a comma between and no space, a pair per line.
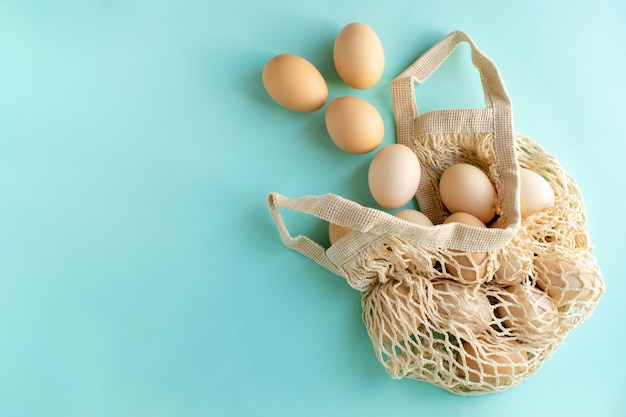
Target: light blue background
140,273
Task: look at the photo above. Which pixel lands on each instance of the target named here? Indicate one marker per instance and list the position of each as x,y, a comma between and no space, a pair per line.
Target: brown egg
359,56
400,315
354,125
494,364
336,232
527,311
475,269
414,216
463,304
294,83
536,194
514,266
394,175
466,188
566,280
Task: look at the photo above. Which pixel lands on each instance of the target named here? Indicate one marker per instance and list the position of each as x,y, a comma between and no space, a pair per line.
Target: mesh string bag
435,311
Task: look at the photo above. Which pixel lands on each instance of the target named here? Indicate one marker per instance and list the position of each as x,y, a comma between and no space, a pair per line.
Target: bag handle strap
372,224
302,244
496,96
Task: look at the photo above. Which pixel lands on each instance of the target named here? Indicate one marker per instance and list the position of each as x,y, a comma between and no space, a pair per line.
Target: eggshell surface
359,56
414,216
354,125
336,232
394,175
536,194
295,83
465,187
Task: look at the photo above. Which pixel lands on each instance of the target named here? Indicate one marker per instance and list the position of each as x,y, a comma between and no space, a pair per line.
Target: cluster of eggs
465,190
353,123
518,309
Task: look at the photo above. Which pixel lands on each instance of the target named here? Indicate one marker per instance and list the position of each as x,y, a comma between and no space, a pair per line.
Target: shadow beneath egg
359,186
315,132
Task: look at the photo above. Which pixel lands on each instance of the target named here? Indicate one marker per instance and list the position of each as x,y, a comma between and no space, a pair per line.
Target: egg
399,314
359,56
466,188
394,175
463,304
495,364
414,216
336,232
475,268
513,266
295,83
354,125
527,311
566,280
536,194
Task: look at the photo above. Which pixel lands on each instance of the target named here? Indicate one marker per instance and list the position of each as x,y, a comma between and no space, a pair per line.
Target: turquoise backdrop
140,272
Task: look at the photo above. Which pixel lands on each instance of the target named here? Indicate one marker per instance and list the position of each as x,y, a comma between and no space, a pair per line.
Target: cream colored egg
463,304
466,188
527,311
536,194
414,216
354,125
394,175
495,364
336,232
295,83
359,56
468,270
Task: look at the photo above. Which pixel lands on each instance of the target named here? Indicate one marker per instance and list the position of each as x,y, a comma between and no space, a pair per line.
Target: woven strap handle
496,96
372,225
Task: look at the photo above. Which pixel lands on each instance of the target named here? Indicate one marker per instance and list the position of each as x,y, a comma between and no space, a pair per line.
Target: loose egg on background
336,232
394,175
354,125
536,194
471,273
359,56
295,83
464,187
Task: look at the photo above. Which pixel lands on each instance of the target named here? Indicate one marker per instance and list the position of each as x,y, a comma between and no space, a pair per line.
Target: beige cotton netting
435,311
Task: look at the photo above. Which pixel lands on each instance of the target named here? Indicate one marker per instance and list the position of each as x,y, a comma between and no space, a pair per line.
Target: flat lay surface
140,271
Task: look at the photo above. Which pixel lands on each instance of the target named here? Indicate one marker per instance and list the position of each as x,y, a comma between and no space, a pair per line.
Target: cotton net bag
434,310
